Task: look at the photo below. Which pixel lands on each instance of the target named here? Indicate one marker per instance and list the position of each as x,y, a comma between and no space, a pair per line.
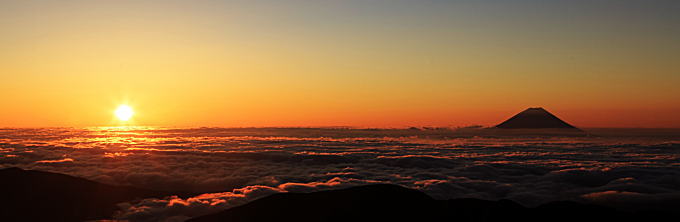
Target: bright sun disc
124,112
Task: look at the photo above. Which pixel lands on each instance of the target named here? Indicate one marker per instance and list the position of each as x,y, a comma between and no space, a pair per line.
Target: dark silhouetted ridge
29,195
535,118
395,203
364,203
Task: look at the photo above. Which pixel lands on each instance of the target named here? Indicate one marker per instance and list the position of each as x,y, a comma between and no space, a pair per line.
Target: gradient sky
369,63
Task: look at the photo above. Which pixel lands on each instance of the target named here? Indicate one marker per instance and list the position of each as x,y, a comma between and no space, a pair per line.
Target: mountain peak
535,118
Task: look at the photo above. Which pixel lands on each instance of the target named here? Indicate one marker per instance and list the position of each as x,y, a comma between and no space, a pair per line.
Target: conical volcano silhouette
535,118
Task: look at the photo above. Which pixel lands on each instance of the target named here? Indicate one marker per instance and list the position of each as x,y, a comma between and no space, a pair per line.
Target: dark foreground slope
394,203
29,195
42,196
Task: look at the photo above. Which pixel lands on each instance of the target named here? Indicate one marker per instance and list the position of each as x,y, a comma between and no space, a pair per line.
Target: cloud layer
233,166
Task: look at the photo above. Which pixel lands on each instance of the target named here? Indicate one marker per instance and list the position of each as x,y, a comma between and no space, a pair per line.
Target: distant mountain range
29,195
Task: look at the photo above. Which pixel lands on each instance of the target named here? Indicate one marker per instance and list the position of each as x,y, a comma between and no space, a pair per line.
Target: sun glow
124,112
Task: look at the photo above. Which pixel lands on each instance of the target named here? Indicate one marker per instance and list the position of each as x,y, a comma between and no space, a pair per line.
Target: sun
124,112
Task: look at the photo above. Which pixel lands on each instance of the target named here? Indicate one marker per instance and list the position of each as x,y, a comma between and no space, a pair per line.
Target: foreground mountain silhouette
29,195
395,203
535,118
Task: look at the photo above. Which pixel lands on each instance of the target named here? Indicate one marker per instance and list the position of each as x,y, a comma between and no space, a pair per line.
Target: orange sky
344,63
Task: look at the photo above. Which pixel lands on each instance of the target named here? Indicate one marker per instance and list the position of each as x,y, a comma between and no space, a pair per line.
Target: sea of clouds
213,169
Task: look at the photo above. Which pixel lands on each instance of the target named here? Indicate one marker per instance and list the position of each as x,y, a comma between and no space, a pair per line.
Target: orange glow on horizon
215,64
